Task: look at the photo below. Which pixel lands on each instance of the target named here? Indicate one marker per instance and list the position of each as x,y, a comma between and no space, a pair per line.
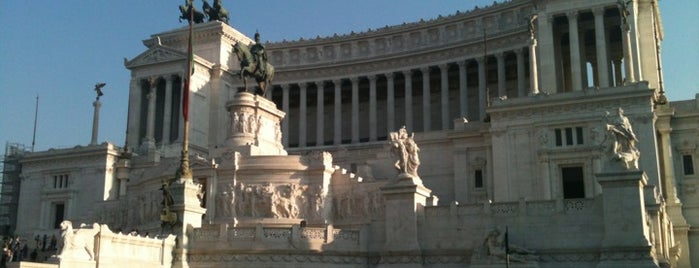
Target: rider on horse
259,54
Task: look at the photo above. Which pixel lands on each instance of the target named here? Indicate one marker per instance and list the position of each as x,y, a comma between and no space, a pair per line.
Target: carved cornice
426,57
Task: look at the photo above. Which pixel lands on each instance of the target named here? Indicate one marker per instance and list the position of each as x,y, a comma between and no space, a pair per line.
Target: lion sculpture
75,240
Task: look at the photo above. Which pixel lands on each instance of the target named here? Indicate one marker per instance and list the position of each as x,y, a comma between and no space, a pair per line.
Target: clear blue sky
60,49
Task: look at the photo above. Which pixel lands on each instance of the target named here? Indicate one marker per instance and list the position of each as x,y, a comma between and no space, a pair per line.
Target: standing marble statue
625,140
406,150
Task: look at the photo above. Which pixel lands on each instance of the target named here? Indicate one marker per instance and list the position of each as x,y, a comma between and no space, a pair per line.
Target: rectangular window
579,135
569,136
688,164
59,215
573,182
559,137
478,179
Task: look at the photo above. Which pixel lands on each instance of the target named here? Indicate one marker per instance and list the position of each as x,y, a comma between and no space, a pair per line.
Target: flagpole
36,114
184,172
507,248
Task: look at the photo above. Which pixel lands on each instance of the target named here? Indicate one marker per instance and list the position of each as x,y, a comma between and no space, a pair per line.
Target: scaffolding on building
9,185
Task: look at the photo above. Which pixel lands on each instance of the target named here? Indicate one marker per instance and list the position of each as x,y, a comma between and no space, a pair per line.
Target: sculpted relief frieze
270,200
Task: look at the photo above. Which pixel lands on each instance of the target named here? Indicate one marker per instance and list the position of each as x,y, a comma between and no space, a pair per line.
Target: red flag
190,61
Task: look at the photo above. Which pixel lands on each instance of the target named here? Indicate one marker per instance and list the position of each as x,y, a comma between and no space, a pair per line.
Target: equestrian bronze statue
253,63
190,13
216,12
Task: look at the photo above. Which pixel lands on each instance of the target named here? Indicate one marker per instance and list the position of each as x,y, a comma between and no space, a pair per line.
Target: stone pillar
463,90
189,213
390,102
426,99
482,91
502,90
546,61
337,121
444,81
167,107
285,108
624,214
670,186
95,121
601,47
302,114
372,107
149,140
320,114
405,200
355,109
575,61
408,76
533,68
521,84
617,73
626,44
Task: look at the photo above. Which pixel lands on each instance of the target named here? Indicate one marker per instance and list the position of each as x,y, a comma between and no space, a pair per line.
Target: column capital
499,55
153,81
598,11
572,14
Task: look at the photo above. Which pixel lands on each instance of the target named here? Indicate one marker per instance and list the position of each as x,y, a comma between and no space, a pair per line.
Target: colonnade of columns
612,47
158,110
427,98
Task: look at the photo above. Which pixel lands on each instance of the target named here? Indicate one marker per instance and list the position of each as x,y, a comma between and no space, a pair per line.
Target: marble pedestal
254,125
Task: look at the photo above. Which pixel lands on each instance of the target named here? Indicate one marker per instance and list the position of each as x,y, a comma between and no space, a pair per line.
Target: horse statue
217,12
186,11
250,67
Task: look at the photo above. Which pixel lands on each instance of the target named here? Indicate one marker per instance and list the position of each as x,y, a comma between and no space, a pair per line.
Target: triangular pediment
155,55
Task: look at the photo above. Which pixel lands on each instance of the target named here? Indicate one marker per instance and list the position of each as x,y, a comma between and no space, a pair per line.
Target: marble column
285,122
575,62
302,114
337,121
320,114
533,68
408,77
546,62
626,44
520,72
355,109
482,90
444,71
601,47
617,73
95,121
502,90
167,107
463,90
372,107
426,99
149,140
390,102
